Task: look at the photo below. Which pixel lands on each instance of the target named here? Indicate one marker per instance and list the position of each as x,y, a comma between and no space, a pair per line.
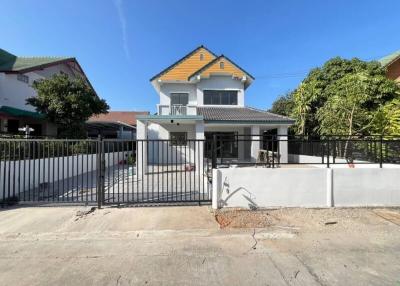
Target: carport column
141,147
283,144
199,147
255,142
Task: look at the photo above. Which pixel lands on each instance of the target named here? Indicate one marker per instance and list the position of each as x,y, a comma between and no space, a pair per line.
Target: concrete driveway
184,246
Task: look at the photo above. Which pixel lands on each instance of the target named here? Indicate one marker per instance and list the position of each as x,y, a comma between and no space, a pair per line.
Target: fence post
100,171
214,152
381,152
328,152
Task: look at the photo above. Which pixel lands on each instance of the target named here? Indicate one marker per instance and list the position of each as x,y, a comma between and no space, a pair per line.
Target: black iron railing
113,171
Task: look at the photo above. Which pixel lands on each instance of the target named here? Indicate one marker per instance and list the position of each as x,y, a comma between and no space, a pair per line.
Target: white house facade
17,75
202,96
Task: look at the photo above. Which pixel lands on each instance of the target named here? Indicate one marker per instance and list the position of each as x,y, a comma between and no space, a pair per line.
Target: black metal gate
108,171
155,171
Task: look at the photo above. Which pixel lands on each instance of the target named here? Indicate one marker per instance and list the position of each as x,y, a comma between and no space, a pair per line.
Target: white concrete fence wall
305,187
22,178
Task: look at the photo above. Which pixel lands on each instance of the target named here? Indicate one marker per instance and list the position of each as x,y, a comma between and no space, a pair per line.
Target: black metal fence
113,171
49,170
161,171
108,171
276,150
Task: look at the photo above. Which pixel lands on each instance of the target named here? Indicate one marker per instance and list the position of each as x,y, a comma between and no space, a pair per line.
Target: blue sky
122,43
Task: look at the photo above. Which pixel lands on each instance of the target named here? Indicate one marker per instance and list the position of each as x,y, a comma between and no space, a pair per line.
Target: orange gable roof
188,65
203,62
181,69
221,66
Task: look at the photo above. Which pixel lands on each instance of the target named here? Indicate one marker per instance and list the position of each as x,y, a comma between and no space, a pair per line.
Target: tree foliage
67,103
283,105
387,118
345,96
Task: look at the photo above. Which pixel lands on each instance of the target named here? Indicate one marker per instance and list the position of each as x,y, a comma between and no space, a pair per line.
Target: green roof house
16,77
392,64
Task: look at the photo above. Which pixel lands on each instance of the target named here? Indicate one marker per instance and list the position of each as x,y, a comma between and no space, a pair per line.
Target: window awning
16,112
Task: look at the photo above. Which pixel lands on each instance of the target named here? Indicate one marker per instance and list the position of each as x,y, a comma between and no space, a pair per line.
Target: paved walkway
184,246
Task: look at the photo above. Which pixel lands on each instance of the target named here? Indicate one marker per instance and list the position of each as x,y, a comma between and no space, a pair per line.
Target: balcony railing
177,110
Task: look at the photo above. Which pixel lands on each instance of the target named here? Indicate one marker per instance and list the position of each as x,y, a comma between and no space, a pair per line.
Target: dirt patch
330,219
238,218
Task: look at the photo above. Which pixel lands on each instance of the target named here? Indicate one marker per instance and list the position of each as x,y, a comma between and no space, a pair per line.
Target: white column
283,144
216,188
255,142
199,151
141,147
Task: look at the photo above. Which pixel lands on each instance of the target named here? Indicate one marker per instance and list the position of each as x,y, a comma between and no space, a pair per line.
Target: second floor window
220,97
179,99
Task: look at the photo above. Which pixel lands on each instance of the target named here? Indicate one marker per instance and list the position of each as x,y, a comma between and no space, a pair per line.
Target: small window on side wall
221,65
201,57
178,138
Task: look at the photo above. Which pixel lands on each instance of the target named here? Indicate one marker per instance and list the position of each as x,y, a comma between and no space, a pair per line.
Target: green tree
328,84
387,118
67,103
283,105
304,98
345,111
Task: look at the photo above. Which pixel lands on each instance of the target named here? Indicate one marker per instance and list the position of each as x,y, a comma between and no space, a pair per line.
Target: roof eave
244,122
43,66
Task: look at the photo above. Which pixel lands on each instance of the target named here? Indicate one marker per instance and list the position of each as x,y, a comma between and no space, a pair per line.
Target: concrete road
184,246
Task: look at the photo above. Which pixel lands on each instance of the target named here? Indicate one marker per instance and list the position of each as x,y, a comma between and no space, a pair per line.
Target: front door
226,143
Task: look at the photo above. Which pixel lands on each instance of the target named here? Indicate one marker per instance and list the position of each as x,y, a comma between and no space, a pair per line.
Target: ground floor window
227,144
178,138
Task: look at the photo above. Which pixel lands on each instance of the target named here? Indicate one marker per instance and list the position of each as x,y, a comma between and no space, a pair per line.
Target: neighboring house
17,75
114,124
202,95
392,64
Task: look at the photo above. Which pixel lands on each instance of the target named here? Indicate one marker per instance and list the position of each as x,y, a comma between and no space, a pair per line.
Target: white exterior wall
167,88
306,187
14,92
266,187
158,151
366,187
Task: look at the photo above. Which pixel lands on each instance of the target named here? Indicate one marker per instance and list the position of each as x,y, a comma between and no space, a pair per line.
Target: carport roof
108,125
241,115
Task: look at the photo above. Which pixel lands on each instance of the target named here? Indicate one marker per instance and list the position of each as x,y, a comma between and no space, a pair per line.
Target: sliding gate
108,171
155,171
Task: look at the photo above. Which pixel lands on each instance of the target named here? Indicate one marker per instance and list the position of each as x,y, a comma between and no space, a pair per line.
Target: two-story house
17,75
201,95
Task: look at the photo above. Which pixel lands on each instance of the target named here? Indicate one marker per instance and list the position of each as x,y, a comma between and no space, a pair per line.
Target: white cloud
122,21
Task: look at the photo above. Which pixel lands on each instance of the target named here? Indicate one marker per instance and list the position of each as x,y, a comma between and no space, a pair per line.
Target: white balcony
177,110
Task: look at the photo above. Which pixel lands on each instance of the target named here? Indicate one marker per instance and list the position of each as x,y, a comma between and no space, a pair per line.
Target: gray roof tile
241,114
